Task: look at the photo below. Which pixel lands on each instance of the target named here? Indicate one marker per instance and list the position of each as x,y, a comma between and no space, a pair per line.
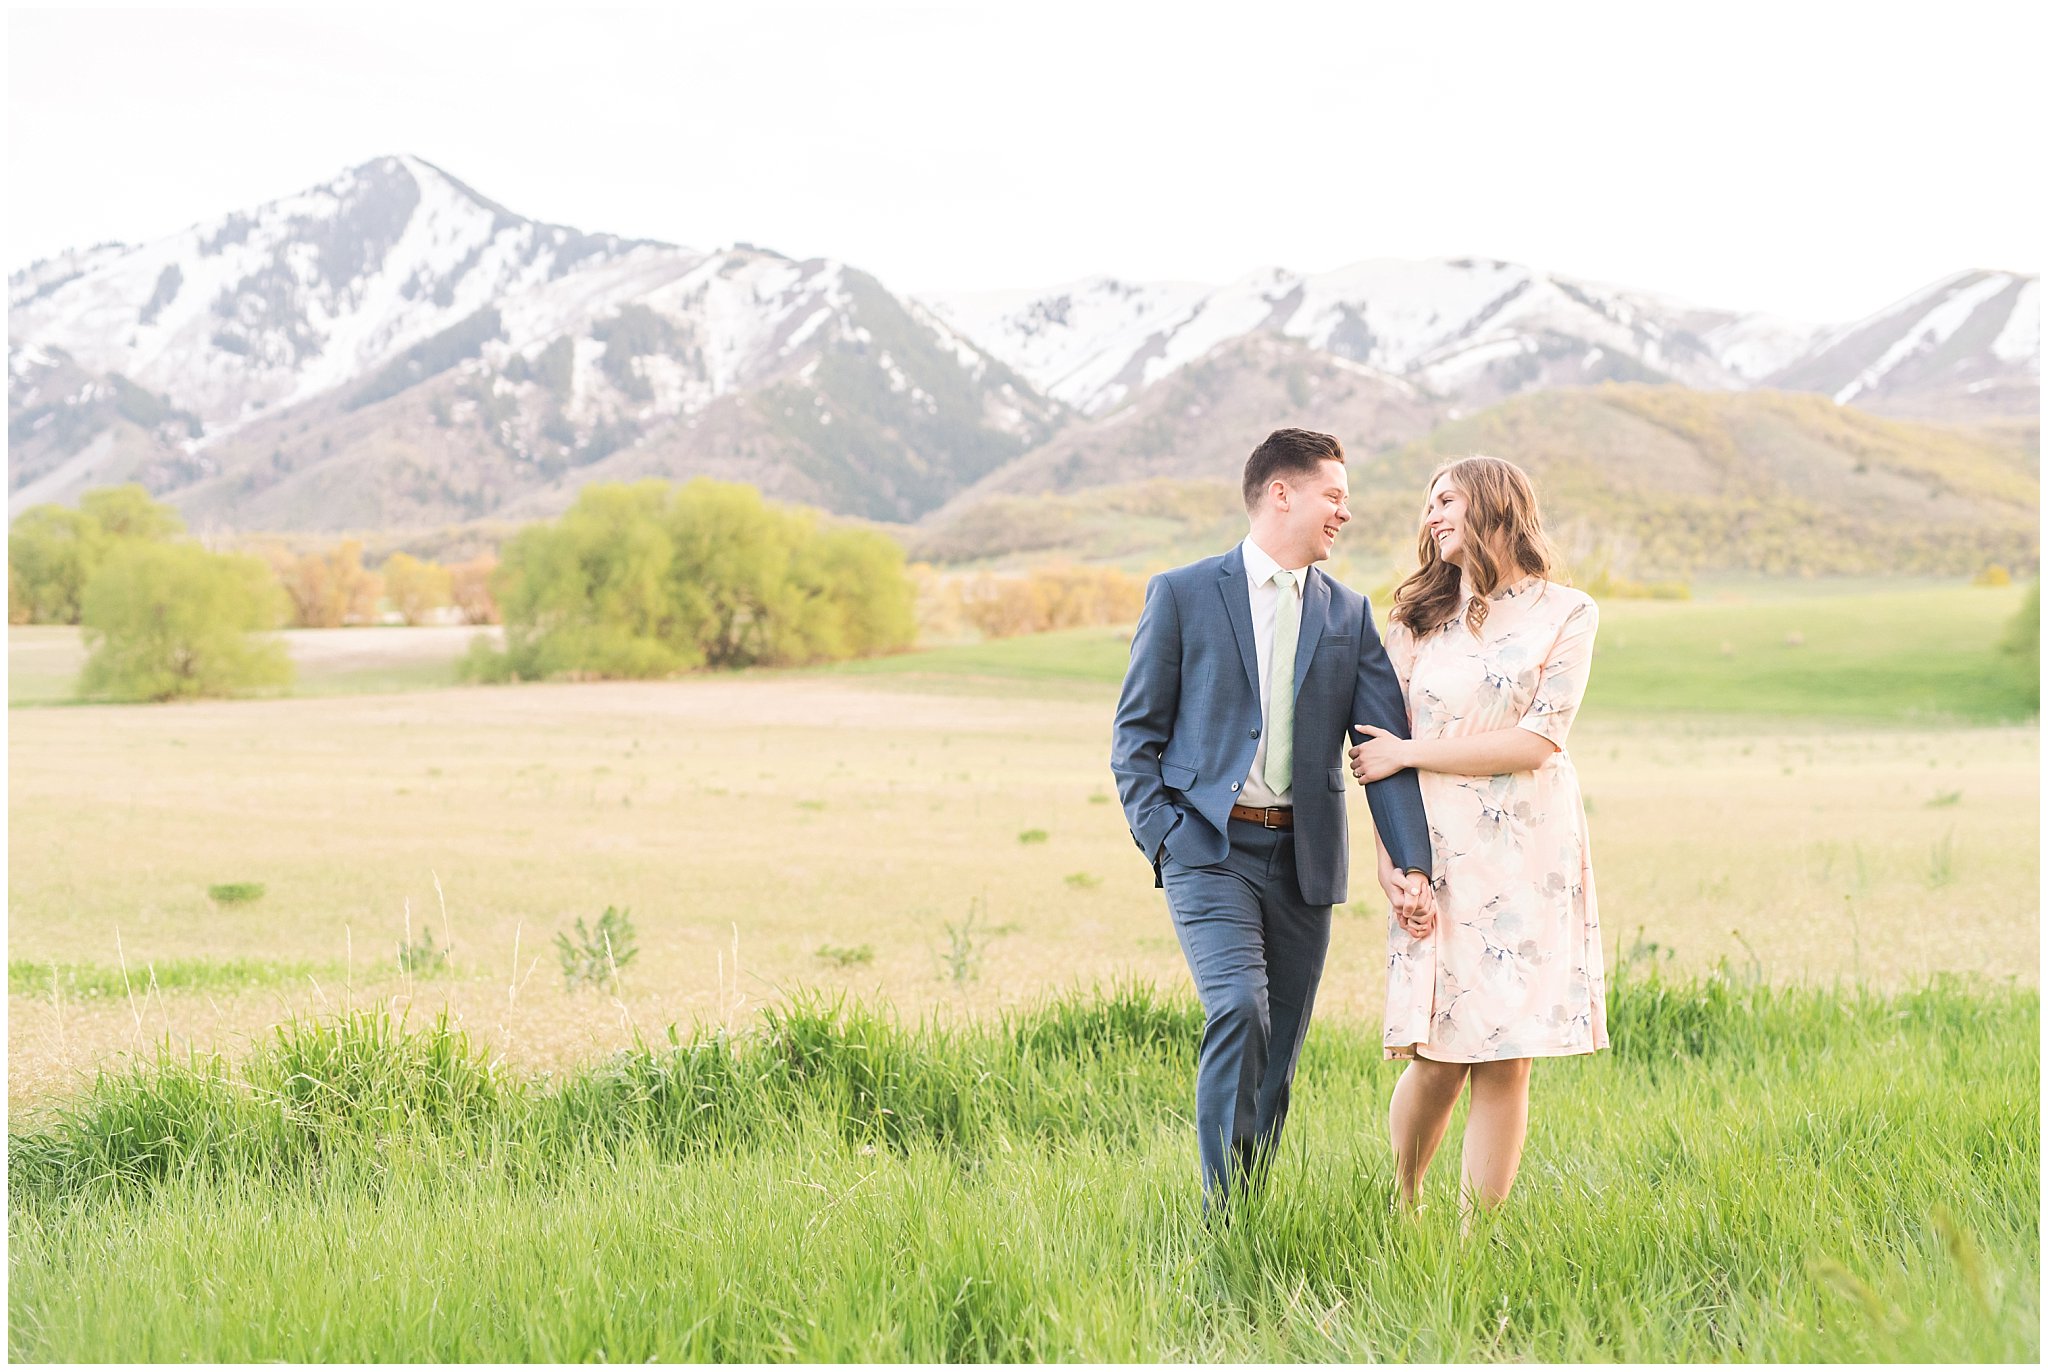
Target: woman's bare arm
1512,749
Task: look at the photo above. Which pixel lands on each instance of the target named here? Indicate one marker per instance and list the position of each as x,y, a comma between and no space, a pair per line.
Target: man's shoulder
1343,600
1191,572
1340,592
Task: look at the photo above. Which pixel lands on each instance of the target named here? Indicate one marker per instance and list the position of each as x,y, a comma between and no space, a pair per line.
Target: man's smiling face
1308,513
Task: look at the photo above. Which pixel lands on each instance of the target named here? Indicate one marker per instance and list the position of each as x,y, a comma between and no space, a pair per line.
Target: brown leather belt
1277,817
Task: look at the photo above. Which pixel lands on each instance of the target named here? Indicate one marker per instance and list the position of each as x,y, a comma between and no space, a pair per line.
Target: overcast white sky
1813,160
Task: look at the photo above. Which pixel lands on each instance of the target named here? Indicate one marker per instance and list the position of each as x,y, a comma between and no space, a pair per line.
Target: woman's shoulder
1567,600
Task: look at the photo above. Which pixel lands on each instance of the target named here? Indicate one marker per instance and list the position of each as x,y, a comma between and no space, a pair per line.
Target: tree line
640,580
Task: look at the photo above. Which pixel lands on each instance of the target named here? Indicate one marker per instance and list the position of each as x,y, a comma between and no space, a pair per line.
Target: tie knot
1283,577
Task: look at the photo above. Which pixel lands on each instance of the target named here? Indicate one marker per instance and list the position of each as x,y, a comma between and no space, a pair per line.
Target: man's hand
1378,757
1413,900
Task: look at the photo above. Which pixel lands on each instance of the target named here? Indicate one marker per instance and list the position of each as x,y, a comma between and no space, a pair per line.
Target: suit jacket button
1233,786
1255,733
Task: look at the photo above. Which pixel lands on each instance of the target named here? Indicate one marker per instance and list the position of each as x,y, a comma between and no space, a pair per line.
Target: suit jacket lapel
1315,613
1236,590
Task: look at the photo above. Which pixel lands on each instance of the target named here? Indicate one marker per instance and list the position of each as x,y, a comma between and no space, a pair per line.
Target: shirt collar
1259,566
1500,593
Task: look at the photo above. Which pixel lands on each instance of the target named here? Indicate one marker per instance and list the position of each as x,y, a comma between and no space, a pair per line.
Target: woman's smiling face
1445,520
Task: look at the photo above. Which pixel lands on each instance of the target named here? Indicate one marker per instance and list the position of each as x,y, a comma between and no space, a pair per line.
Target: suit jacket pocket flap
1336,778
1178,777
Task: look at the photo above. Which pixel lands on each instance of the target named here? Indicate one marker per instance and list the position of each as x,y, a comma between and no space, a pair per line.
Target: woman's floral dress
1513,967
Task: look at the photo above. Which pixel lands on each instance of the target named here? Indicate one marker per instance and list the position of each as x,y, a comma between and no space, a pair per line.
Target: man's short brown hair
1287,453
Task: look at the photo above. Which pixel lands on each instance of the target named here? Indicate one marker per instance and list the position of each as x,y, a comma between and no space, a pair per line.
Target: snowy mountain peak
391,319
1970,342
390,346
1448,323
1474,329
267,306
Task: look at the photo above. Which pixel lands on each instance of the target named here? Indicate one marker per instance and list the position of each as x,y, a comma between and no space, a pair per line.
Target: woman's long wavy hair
1503,541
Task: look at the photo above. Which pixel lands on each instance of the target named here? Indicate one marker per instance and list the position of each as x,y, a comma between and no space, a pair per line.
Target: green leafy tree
586,594
865,600
53,551
165,620
128,512
730,576
650,579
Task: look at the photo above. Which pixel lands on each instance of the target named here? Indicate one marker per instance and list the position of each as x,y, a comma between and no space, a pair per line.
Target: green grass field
1816,1137
1925,654
1751,1175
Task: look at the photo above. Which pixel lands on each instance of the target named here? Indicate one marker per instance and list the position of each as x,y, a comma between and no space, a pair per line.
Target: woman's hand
1379,757
1412,899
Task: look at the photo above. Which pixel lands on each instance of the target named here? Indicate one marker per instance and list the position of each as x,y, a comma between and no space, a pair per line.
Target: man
1228,753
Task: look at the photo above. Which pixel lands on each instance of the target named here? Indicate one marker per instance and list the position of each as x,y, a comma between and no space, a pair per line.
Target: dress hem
1411,1053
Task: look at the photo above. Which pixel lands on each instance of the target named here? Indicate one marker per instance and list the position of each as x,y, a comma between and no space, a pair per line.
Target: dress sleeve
1562,684
1400,646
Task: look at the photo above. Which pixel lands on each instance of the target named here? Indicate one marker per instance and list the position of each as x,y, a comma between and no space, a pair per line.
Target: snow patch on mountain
1073,341
2020,340
1934,326
1094,343
1755,345
256,311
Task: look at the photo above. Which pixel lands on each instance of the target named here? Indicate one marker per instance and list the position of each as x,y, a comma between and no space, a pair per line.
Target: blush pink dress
1513,968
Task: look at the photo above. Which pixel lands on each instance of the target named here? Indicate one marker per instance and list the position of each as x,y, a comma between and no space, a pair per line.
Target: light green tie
1280,688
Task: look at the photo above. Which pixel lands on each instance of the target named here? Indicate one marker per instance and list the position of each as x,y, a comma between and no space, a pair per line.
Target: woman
1492,655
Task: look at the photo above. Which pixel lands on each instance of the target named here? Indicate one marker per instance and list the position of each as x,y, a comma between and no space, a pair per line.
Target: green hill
1664,481
1649,481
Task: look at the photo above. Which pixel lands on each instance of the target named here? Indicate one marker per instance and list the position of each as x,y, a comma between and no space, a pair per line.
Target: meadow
1814,810
1753,1174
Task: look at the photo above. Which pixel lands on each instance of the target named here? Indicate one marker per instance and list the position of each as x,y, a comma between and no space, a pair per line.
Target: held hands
1378,757
1413,899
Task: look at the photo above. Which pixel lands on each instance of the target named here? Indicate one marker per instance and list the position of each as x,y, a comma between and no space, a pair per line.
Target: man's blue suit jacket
1187,725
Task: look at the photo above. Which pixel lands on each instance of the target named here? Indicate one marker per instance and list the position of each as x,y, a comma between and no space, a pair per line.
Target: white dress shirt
1259,568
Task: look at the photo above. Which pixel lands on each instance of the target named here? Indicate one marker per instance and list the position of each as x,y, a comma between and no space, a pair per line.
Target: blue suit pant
1256,949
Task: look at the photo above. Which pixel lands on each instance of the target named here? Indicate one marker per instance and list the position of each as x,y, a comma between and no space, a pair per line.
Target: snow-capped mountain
265,308
393,348
1472,330
276,365
1967,344
1467,327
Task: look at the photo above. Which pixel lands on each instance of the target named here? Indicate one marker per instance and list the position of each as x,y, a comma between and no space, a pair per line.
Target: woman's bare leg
1417,1118
1495,1128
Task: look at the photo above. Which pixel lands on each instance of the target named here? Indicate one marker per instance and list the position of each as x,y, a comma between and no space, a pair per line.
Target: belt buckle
1267,817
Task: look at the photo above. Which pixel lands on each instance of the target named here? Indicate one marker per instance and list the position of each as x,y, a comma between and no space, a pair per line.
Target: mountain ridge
527,351
1479,329
391,347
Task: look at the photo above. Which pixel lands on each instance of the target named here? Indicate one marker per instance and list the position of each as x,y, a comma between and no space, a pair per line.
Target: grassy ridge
1752,1174
1668,481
